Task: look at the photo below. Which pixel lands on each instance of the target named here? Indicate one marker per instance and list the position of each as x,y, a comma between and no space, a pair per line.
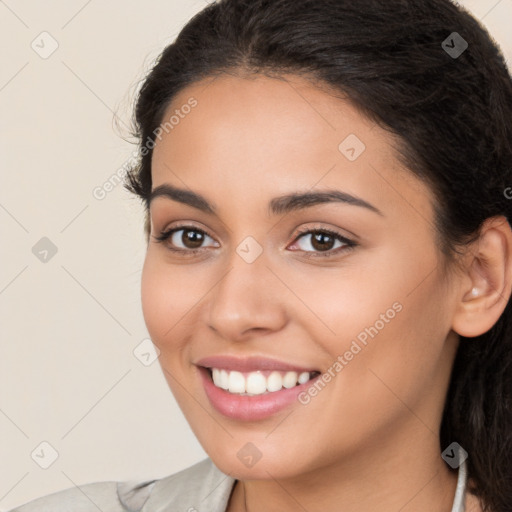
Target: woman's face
274,285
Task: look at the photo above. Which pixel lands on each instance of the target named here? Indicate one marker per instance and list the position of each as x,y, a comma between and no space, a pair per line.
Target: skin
370,439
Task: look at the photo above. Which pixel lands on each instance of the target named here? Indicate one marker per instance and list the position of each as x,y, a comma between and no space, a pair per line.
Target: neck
411,479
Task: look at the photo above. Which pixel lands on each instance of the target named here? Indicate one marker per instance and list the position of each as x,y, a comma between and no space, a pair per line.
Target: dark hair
452,117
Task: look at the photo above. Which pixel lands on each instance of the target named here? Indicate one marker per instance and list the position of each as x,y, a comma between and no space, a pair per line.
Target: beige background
68,373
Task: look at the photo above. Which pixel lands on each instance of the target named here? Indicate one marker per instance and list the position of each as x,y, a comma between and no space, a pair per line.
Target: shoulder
83,498
200,485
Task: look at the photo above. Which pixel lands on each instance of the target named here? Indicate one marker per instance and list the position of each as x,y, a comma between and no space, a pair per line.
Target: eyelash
349,244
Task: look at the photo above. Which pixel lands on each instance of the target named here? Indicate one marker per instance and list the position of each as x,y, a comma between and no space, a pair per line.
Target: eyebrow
277,206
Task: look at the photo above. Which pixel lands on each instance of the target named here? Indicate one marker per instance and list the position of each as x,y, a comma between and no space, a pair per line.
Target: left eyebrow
277,206
298,201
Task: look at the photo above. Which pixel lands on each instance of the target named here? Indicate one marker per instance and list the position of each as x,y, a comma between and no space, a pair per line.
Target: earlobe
486,289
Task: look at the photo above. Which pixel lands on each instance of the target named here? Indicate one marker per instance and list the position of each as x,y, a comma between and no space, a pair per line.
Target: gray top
198,488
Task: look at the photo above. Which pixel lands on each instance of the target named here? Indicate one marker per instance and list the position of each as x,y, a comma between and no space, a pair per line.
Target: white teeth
274,381
224,379
255,383
236,382
290,379
303,377
221,378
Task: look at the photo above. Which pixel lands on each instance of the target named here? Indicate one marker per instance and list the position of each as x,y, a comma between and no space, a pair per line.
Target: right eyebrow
182,196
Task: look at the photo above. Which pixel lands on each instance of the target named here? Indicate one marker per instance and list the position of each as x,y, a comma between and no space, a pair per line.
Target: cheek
155,298
384,290
167,296
340,304
392,345
384,315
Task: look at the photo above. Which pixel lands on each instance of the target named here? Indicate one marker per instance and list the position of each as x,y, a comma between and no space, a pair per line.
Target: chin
245,460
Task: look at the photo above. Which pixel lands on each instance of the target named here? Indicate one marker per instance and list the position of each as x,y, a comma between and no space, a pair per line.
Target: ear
486,285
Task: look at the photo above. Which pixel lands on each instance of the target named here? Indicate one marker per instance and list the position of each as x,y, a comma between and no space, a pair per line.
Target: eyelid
334,231
182,225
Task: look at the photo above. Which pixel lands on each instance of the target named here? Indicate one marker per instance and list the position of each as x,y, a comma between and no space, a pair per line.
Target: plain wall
70,324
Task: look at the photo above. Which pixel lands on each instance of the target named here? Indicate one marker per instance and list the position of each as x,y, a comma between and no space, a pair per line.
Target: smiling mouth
259,382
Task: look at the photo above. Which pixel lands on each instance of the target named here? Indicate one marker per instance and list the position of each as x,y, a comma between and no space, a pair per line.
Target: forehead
270,117
268,135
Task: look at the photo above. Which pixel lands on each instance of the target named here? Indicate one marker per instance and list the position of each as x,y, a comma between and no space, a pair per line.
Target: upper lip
249,364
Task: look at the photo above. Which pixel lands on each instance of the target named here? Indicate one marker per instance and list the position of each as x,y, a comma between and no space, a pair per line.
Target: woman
329,262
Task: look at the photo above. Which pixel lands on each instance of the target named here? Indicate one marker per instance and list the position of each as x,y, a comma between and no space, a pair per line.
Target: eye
187,239
322,242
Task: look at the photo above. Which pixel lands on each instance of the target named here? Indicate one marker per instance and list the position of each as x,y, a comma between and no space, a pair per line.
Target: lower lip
250,408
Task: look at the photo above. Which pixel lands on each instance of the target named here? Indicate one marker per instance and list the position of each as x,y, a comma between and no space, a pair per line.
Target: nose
248,299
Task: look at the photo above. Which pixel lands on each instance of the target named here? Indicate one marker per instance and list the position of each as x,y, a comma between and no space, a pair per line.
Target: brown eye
191,239
185,239
322,241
